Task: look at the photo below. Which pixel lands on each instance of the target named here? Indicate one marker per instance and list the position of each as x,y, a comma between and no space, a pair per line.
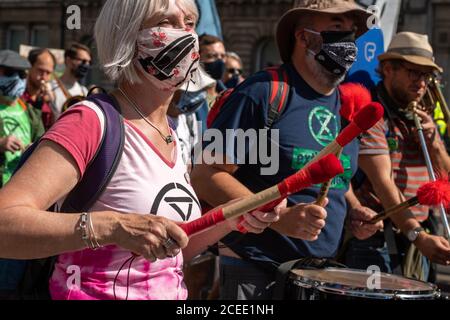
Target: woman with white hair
149,47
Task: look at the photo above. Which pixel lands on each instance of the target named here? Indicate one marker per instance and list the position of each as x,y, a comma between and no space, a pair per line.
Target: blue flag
209,21
370,46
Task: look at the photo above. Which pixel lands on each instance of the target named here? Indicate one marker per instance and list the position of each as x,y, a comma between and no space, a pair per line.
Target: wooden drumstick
354,96
431,194
323,193
318,172
365,119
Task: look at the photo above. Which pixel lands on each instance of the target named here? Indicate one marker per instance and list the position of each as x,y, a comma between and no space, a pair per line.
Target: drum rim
385,294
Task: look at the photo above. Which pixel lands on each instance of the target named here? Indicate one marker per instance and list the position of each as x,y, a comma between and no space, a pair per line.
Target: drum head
358,283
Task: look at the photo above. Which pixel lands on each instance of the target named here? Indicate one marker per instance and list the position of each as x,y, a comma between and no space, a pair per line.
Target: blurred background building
247,25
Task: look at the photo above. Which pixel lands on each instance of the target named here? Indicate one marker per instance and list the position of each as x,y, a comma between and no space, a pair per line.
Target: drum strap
392,248
284,270
281,277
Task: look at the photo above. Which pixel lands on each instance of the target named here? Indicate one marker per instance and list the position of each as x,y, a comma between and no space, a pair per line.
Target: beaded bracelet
93,238
83,227
87,231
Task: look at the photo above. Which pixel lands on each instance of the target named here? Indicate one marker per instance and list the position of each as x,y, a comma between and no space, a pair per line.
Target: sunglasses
235,71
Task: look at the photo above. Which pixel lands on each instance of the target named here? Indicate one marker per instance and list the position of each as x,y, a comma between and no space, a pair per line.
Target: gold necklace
167,139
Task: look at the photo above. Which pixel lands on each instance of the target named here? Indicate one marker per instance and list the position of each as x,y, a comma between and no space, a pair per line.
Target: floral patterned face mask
168,57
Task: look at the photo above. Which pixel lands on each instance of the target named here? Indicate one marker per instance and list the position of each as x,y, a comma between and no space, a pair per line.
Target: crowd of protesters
127,239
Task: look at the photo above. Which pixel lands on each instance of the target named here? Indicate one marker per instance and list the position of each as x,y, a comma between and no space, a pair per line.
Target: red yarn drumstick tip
367,117
325,169
435,193
319,172
354,96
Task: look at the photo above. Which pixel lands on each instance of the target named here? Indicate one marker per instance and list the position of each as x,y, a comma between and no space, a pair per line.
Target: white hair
117,28
235,56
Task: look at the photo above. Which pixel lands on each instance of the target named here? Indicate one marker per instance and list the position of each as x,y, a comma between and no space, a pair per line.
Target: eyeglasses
416,75
235,71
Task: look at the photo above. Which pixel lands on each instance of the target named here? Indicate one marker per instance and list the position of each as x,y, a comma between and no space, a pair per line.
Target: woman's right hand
146,235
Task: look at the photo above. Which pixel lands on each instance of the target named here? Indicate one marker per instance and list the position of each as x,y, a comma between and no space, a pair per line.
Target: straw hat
287,23
411,47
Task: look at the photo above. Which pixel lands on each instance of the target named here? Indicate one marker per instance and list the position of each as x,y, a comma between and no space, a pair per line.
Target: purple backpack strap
101,169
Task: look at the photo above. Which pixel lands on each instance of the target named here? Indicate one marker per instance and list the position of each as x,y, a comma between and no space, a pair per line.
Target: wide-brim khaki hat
411,47
286,25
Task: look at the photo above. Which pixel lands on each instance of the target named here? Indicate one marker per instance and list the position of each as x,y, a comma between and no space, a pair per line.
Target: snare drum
348,284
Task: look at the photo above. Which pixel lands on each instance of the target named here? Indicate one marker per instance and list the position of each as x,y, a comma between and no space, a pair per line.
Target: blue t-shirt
309,123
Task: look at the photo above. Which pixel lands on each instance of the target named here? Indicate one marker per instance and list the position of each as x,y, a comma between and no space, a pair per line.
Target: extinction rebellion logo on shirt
324,128
323,125
177,197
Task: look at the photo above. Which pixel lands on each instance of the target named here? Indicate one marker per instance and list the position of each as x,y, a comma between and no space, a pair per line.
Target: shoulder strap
392,247
279,93
102,168
63,88
281,277
284,270
22,103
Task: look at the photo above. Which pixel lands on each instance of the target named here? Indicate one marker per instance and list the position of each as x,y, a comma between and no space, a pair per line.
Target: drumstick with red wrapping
323,193
365,119
431,194
354,96
362,119
318,172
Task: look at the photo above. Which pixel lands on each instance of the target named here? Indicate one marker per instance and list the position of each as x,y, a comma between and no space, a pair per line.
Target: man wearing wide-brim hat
317,46
393,161
413,48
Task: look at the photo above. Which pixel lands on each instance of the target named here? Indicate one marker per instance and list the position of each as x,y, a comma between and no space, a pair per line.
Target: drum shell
300,288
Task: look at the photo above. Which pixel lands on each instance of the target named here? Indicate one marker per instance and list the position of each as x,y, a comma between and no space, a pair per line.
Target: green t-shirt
16,122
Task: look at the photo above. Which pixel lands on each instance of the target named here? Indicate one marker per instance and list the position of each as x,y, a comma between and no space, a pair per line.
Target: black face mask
338,52
215,69
82,71
233,82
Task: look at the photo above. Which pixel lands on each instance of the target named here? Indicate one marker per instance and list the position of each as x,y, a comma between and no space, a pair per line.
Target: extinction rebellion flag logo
323,125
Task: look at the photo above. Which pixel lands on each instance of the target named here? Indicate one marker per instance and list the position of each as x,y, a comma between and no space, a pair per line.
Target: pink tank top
144,183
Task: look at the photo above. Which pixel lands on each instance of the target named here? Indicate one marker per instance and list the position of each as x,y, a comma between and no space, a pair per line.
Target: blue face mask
190,102
12,87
